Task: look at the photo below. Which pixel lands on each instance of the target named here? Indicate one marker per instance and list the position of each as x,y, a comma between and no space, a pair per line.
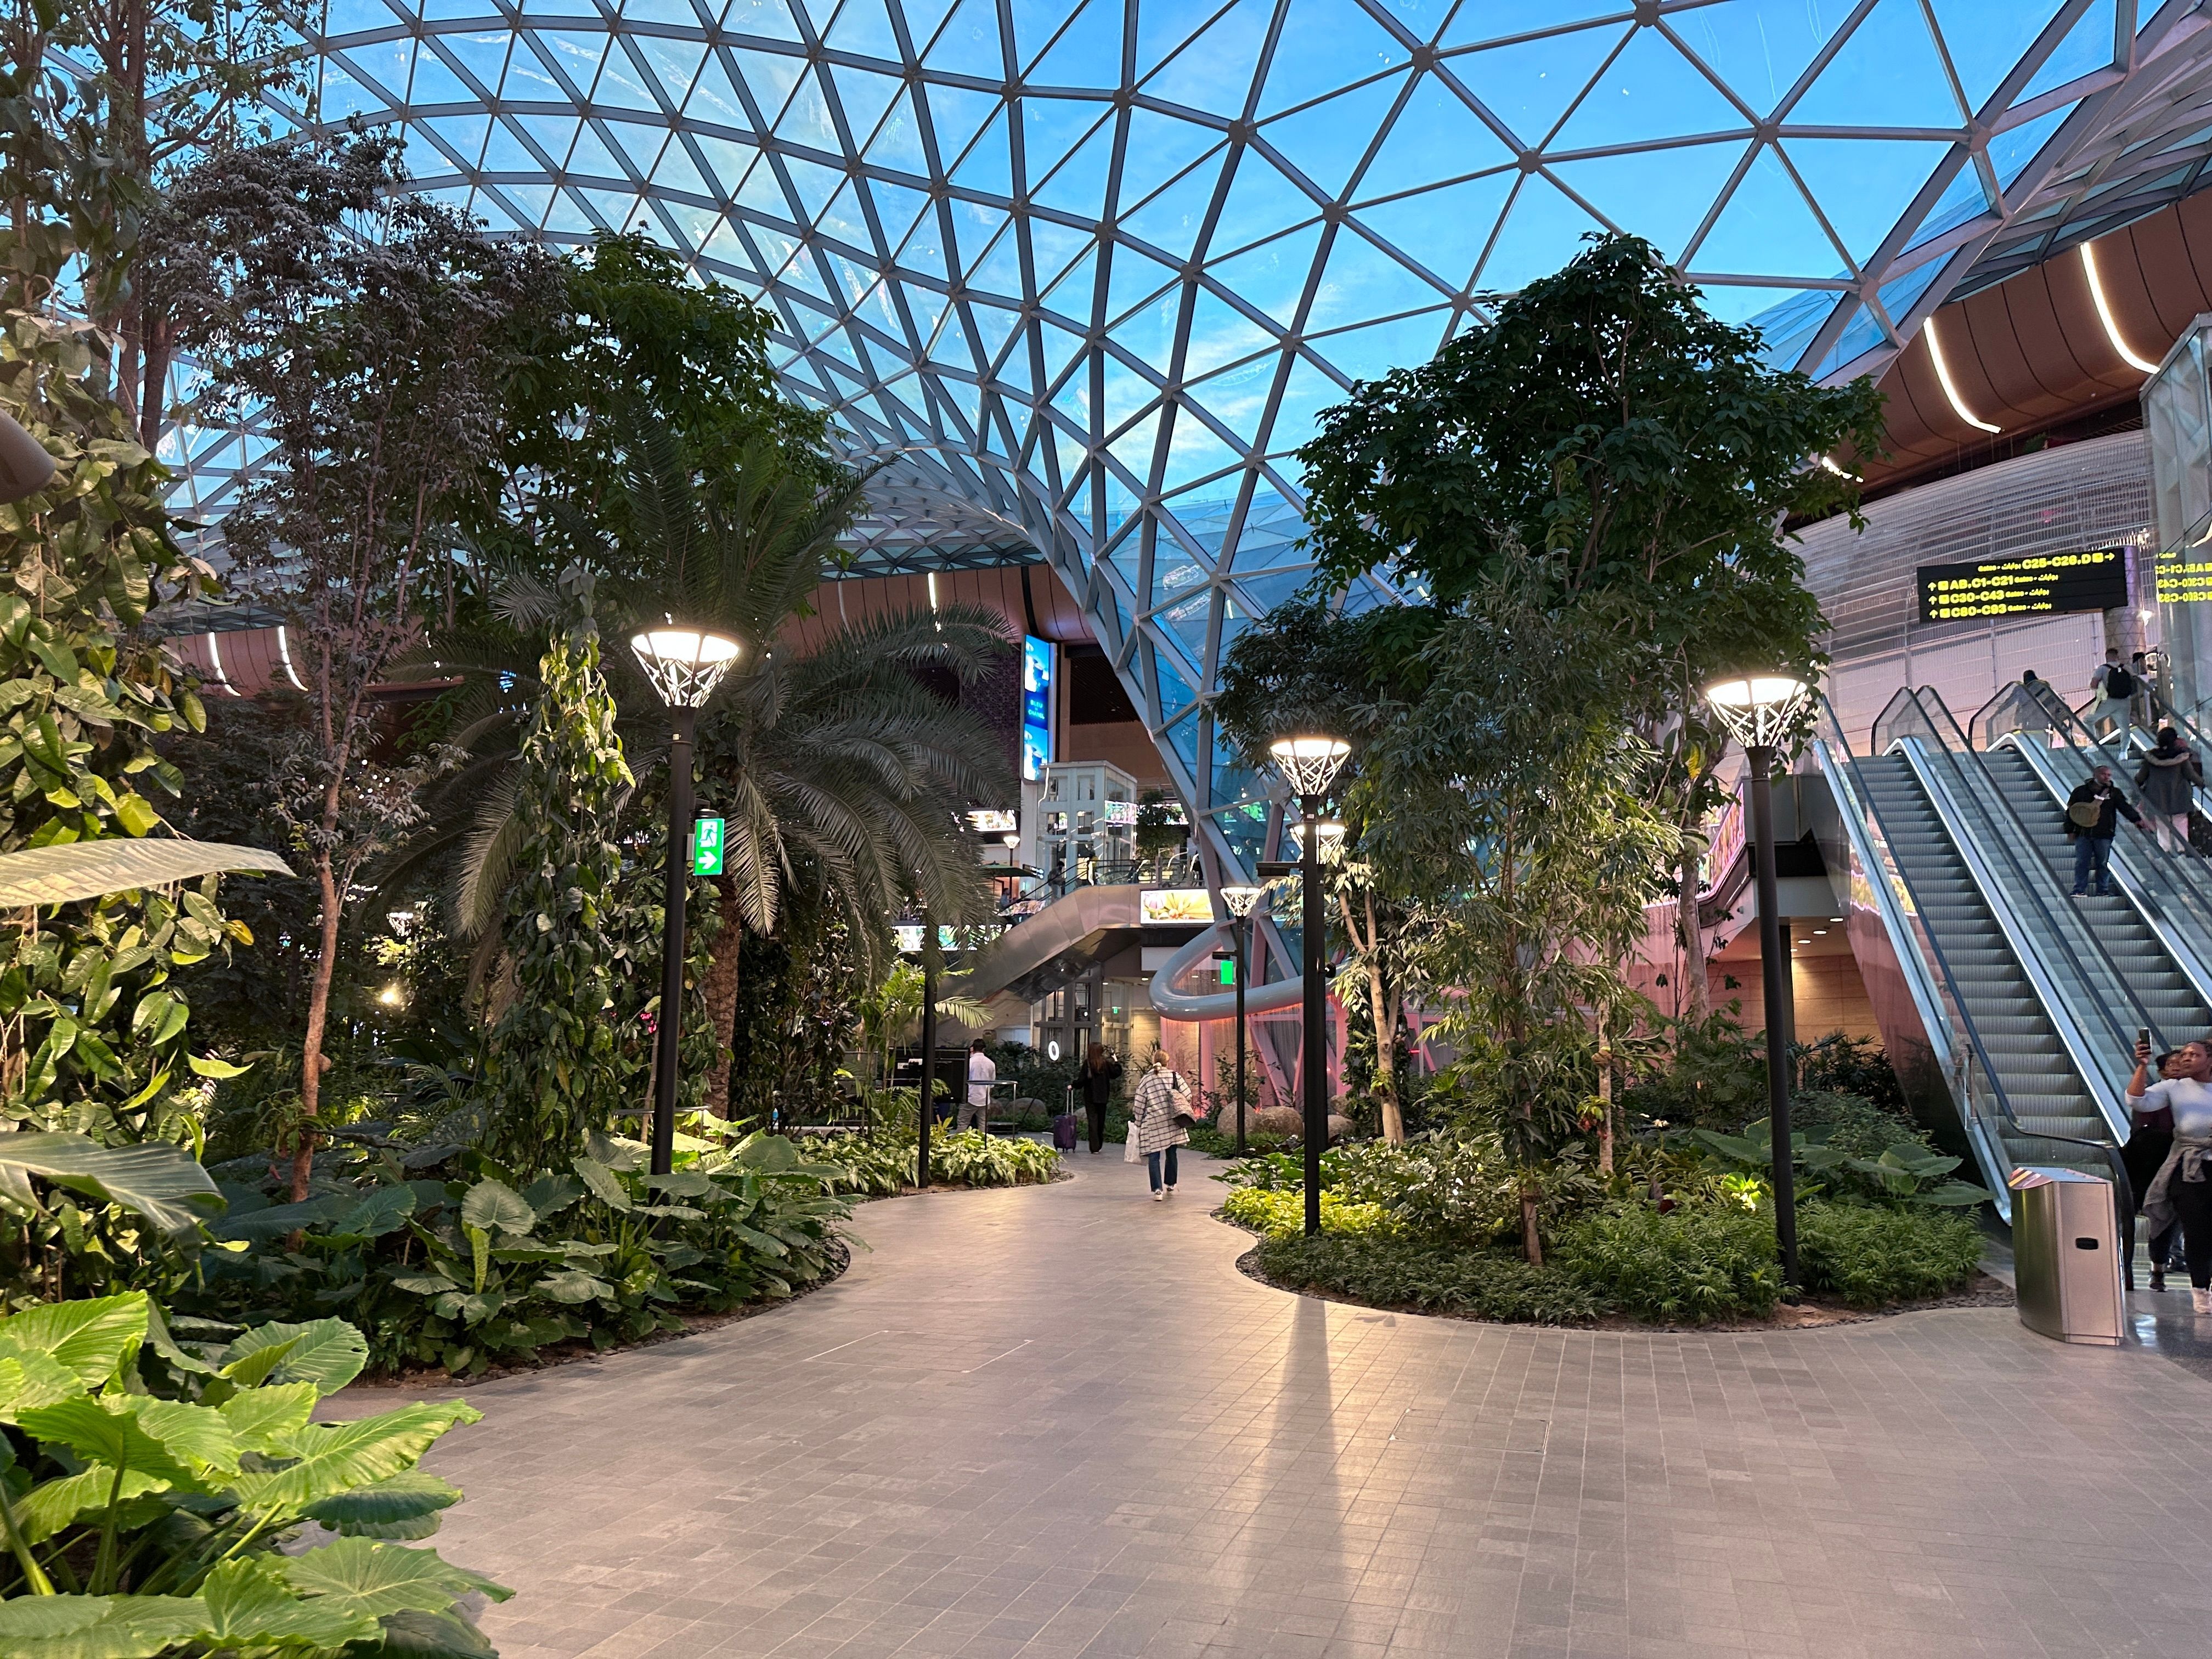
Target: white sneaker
1171,1191
1157,1197
2200,1301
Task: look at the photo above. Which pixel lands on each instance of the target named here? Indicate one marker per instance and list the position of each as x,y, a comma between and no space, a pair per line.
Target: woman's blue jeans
1152,1161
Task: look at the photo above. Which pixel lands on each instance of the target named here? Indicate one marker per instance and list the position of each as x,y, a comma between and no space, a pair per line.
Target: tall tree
376,364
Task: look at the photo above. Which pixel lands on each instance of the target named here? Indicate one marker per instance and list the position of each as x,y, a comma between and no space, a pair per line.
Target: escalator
1998,991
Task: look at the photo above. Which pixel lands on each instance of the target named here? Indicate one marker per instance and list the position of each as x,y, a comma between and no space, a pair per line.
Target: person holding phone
1158,1116
1101,1071
2181,1191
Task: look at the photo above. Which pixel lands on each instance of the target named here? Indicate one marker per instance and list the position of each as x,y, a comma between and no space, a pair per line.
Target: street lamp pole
1310,764
684,665
1239,901
1760,714
925,1097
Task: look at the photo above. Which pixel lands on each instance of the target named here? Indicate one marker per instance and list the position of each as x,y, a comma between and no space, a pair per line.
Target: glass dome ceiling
1087,270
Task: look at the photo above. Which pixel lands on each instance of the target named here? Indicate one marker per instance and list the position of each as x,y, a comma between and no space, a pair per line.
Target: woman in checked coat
1152,1110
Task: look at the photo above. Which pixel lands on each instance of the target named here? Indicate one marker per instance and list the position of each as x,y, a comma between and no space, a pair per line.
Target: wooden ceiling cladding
1045,609
2033,352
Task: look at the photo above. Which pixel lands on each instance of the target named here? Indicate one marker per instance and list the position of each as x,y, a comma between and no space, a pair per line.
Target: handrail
2124,1191
2065,927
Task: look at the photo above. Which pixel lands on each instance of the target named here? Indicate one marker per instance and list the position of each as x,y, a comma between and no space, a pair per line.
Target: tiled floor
1058,1421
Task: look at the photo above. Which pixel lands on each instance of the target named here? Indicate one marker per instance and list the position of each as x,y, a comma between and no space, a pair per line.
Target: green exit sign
1229,972
707,847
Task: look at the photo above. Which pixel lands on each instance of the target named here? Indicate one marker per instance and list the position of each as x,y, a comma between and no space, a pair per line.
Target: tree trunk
1531,1246
311,1048
1694,999
1605,1100
719,989
1386,1069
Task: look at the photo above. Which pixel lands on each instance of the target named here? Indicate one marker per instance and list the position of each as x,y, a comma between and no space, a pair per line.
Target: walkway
1058,1421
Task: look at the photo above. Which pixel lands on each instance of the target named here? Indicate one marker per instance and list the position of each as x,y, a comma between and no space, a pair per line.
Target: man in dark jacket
2094,812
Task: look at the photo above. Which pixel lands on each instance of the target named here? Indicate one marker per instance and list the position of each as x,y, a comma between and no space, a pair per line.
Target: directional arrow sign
707,847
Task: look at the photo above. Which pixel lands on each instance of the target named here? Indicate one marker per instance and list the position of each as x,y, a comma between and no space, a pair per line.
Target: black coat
1098,1086
2112,805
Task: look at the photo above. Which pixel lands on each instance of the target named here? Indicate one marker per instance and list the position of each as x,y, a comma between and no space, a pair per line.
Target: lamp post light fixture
1239,901
1310,762
1761,712
684,665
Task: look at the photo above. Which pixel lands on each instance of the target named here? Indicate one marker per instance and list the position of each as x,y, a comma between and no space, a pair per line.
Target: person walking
2181,1191
1155,1118
2031,711
2146,707
2150,1138
2115,689
982,1072
1100,1073
2168,778
2093,814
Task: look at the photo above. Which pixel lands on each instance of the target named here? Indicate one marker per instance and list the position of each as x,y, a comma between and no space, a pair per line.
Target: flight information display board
2185,576
2031,585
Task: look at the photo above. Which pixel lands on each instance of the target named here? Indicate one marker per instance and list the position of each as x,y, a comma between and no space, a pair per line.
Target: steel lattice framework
1086,270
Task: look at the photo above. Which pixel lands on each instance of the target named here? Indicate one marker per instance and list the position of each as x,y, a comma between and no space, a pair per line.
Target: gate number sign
707,847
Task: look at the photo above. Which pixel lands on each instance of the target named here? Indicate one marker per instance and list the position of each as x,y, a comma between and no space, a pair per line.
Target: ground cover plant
881,1165
158,1482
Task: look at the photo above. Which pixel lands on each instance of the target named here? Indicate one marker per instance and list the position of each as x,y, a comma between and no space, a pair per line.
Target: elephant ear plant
141,1523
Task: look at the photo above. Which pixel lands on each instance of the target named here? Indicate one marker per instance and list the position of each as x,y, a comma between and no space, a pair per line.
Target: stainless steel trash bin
2066,1251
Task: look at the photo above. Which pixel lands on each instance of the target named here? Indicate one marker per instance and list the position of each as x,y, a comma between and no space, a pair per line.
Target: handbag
2084,814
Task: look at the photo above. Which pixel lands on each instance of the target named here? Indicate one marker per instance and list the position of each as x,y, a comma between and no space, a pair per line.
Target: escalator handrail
2073,931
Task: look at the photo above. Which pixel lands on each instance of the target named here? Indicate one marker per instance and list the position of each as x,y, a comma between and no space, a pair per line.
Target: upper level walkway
1053,1421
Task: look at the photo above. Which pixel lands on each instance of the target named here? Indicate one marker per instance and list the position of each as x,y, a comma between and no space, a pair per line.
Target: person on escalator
2168,777
2115,686
2181,1191
2150,1138
2094,812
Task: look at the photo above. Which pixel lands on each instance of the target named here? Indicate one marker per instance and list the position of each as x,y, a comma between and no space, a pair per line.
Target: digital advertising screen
1037,706
2031,585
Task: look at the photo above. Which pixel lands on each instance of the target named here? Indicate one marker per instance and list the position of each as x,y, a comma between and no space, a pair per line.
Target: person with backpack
2169,778
2115,686
2094,812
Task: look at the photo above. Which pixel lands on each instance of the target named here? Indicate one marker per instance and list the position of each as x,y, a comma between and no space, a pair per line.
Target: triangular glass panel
1543,230
1370,353
1147,335
482,57
622,84
590,158
1759,47
612,207
1650,91
1196,453
1262,203
1861,183
1766,229
386,66
812,186
1052,248
863,27
463,136
660,11
843,220
352,16
1446,229
1075,291
769,77
641,145
675,62
530,202
955,115
2087,47
435,83
999,270
1861,335
421,157
343,95
677,172
1900,294
2011,150
923,19
575,55
507,152
1128,394
988,168
1237,398
1172,220
1131,279
805,119
897,143
1088,55
726,247
1886,75
1530,84
568,216
1306,394
727,160
1053,127
527,77
897,209
1361,282
969,45
693,225
1962,199
1219,334
1326,141
864,98
1211,70
1786,331
1332,43
990,324
1987,43
1176,694
1661,195
1436,137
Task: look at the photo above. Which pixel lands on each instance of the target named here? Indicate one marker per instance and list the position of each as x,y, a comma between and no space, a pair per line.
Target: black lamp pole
1238,927
926,1105
1316,1058
1773,973
668,1035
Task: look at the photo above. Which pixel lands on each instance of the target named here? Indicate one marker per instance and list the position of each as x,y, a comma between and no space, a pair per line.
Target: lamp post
1239,901
1760,713
684,665
925,1097
1310,764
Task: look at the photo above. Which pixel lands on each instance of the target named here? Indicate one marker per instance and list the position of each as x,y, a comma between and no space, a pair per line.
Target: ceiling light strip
1943,380
2104,312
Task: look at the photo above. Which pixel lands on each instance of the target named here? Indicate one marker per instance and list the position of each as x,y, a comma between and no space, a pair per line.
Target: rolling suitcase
1063,1126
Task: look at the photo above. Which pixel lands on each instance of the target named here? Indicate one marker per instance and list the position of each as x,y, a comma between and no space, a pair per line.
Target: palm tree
836,766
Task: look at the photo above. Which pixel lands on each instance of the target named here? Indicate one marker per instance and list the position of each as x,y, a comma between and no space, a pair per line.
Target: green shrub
1281,1215
163,1522
1693,1265
884,1165
1395,1273
1870,1256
